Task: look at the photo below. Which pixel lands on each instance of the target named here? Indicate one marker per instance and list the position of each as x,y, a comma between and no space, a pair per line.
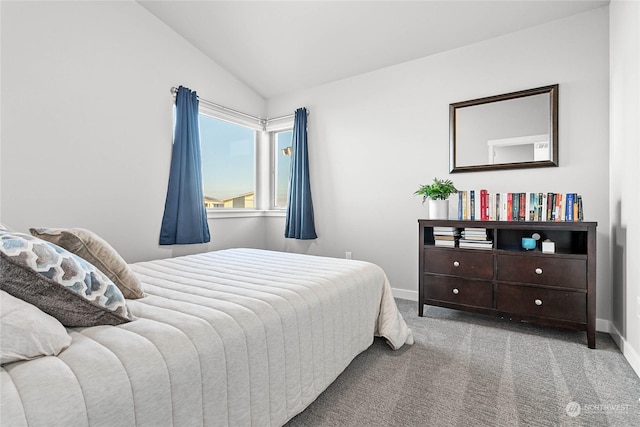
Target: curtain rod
263,122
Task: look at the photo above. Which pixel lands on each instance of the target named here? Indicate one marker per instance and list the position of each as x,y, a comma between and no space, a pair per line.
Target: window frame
264,160
274,169
272,127
255,155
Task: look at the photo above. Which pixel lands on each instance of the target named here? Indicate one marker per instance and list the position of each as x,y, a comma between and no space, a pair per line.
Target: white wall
375,137
86,133
87,121
625,178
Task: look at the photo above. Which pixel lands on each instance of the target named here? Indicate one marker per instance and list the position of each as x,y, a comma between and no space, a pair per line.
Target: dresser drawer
459,291
563,272
532,301
475,264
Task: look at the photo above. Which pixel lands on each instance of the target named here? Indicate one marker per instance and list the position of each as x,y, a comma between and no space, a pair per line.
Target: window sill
244,213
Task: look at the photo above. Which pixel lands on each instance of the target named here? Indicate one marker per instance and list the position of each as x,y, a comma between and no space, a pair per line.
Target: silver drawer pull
456,264
538,270
538,302
456,292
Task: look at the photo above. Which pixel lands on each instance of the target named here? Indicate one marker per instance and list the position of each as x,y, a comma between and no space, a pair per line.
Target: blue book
472,203
569,207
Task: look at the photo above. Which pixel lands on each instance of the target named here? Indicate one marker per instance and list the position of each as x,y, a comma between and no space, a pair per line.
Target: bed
235,337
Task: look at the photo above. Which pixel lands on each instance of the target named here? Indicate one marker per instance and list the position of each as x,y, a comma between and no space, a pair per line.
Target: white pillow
28,332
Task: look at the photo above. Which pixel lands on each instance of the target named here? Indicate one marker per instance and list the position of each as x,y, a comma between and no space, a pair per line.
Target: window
246,160
228,163
282,167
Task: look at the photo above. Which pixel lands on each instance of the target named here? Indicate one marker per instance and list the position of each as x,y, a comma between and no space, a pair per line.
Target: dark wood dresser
554,289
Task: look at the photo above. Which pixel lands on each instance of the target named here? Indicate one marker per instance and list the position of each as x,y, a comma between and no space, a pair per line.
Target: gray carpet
474,370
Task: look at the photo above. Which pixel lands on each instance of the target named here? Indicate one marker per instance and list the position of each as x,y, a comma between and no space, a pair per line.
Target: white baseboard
632,356
615,334
405,294
627,350
602,325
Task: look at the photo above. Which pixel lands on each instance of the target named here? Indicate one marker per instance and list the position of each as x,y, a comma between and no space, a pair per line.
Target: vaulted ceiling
276,47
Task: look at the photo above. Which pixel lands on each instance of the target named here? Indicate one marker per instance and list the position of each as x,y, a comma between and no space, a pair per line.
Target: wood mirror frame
521,127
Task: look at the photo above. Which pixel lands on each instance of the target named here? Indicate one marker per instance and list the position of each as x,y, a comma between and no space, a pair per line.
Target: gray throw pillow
58,282
91,247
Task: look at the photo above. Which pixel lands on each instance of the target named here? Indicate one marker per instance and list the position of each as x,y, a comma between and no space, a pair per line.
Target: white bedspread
237,337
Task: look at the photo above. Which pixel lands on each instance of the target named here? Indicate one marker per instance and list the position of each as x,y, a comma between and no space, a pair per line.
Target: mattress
235,337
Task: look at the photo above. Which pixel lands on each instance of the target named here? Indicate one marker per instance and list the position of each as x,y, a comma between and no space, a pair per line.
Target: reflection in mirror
507,131
519,149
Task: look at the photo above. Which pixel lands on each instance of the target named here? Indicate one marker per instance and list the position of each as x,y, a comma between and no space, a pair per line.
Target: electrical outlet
347,254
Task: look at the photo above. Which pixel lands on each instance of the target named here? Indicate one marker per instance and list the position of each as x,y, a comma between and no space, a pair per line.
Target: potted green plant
438,193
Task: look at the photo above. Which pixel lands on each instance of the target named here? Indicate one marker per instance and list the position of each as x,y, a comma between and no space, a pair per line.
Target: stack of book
446,236
475,238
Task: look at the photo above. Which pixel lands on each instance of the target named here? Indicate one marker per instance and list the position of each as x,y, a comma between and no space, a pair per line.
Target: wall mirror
510,131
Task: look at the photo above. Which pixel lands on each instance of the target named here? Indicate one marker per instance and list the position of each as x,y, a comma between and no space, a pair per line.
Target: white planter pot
438,209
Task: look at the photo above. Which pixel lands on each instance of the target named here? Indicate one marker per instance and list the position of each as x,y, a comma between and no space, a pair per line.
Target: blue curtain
185,217
299,223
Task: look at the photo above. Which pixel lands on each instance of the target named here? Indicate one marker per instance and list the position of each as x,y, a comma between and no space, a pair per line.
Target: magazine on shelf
474,233
449,231
444,237
475,244
479,238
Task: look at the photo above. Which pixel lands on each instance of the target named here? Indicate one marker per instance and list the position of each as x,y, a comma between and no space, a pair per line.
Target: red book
509,206
487,213
483,205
